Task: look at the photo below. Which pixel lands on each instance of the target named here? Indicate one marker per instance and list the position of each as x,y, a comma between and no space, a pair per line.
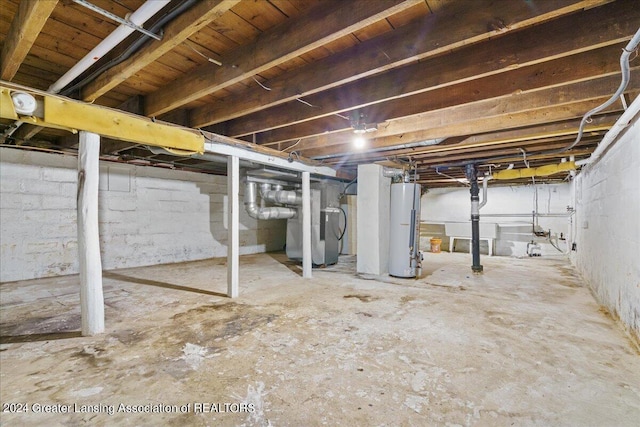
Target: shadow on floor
123,278
282,258
13,339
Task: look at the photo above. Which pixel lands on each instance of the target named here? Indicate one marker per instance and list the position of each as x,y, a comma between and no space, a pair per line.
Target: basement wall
147,216
607,228
443,205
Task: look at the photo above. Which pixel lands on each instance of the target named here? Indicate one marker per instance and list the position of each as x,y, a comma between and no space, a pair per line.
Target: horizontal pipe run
257,212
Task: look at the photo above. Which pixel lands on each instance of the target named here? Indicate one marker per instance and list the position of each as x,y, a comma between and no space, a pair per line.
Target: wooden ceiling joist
563,37
456,25
25,28
175,33
274,47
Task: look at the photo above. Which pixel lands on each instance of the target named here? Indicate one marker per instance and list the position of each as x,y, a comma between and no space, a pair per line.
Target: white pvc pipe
485,182
139,17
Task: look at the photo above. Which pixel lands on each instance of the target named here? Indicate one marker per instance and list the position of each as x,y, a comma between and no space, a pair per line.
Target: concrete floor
523,344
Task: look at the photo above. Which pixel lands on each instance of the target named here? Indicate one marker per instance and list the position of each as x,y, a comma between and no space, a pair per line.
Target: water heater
404,230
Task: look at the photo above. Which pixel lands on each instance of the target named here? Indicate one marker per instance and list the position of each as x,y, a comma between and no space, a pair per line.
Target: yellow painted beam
118,125
545,170
7,111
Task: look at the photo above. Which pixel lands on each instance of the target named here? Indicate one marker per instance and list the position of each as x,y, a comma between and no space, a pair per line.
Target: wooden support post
91,298
306,225
233,225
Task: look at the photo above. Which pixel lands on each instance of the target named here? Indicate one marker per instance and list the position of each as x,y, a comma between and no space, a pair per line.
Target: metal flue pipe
257,212
283,197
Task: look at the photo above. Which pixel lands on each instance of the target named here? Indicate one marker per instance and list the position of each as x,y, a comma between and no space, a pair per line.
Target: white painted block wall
607,228
147,216
453,204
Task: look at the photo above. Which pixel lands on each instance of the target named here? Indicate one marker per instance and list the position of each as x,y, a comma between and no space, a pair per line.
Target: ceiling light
359,142
24,103
360,126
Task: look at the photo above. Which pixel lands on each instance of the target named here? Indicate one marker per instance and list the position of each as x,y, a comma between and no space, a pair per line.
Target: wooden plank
176,32
285,42
25,27
459,25
262,15
604,61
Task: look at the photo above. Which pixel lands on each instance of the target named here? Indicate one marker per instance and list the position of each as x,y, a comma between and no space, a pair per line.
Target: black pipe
472,176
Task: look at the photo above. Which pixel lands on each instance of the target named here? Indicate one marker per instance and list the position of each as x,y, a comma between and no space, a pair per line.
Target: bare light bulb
359,142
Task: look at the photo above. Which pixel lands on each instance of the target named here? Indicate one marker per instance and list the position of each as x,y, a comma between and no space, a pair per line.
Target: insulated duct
257,212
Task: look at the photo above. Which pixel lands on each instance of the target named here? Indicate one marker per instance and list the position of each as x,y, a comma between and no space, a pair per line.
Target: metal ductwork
280,196
257,212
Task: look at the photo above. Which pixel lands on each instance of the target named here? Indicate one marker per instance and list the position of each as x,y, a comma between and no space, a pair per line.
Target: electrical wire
215,61
630,48
261,85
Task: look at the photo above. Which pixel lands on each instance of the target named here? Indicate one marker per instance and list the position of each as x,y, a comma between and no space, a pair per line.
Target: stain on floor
523,344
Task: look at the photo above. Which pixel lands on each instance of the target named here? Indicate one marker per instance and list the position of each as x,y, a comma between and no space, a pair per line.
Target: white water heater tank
404,230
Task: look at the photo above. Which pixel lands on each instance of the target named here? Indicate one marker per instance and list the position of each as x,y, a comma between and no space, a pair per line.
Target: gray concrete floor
523,344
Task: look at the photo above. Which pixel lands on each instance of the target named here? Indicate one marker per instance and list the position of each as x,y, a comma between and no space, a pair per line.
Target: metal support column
233,226
91,297
472,176
306,225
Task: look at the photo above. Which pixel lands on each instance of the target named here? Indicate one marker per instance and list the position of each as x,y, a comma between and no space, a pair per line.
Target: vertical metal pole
233,226
91,297
306,225
472,176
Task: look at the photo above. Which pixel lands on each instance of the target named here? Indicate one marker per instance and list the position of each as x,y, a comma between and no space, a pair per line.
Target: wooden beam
175,33
91,297
485,116
24,29
372,93
71,115
454,26
287,41
604,122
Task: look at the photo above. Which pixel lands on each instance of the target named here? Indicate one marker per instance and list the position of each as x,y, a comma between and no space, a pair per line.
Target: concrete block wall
607,228
514,232
147,216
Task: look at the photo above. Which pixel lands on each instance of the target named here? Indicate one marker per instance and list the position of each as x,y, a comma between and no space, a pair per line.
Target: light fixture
359,141
24,103
360,125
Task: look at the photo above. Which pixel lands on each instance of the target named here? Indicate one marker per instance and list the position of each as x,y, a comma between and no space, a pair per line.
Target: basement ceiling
435,83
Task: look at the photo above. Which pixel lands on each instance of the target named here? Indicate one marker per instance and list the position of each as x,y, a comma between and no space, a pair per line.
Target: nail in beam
91,298
233,225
